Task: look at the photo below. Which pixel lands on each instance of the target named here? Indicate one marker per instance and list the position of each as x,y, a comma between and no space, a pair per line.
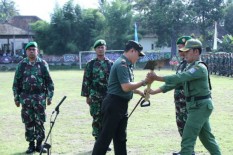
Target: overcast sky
44,8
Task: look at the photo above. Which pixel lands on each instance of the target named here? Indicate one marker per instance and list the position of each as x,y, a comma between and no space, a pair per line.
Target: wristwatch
144,83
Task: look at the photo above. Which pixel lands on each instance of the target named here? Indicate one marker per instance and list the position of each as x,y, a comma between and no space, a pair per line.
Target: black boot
39,147
31,148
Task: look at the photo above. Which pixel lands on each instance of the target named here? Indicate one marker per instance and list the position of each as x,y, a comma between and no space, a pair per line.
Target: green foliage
41,29
92,28
73,29
228,25
205,12
227,43
171,18
167,19
7,10
118,15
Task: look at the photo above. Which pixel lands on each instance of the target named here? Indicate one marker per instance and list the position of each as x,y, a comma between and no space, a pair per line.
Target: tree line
73,29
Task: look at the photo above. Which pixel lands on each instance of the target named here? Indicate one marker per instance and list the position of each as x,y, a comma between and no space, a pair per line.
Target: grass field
151,130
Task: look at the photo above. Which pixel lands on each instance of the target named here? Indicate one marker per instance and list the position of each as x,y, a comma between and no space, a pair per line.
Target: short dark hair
199,49
132,44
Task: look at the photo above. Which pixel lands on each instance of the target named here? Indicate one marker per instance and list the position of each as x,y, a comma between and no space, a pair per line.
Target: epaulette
123,63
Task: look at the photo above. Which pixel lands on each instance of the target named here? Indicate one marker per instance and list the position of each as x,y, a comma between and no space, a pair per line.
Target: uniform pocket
192,105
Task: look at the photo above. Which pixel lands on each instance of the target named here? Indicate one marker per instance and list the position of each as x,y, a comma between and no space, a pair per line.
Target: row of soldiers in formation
219,63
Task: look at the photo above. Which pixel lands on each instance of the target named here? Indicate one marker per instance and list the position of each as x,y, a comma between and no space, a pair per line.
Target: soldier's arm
153,92
17,85
86,84
196,72
49,85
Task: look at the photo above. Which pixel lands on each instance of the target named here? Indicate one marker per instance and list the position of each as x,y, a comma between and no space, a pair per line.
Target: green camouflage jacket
32,79
95,78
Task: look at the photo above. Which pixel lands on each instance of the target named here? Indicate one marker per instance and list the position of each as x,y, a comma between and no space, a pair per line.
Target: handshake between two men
150,78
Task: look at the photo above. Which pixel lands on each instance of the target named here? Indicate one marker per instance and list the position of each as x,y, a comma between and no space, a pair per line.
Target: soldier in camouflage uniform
211,63
32,86
179,97
231,64
221,64
215,64
180,104
95,81
226,63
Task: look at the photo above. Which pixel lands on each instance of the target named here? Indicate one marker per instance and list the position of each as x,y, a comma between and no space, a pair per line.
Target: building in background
15,34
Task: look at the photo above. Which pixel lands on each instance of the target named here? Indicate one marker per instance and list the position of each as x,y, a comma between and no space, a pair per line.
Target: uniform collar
27,60
105,58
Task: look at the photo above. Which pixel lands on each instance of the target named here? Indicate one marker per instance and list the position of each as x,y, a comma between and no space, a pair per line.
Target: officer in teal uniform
121,87
197,90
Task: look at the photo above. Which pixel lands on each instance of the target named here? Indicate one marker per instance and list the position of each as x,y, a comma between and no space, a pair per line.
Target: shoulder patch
123,61
192,70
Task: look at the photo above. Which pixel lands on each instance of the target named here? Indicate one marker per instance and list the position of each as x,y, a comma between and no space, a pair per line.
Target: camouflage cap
99,42
182,40
133,44
31,44
192,43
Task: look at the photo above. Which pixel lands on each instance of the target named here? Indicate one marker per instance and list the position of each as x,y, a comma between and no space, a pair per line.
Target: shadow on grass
82,153
85,153
19,153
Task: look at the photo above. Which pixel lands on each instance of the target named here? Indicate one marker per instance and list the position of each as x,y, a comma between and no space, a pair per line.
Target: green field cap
190,44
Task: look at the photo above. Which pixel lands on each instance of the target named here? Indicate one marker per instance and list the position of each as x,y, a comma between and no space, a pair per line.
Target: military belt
197,98
118,98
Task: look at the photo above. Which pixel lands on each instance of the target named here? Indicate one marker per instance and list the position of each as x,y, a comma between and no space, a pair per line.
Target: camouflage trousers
33,116
181,110
95,111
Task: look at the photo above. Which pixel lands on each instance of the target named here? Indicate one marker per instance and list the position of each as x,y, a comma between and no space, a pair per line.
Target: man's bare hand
139,92
88,100
49,102
17,104
152,76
